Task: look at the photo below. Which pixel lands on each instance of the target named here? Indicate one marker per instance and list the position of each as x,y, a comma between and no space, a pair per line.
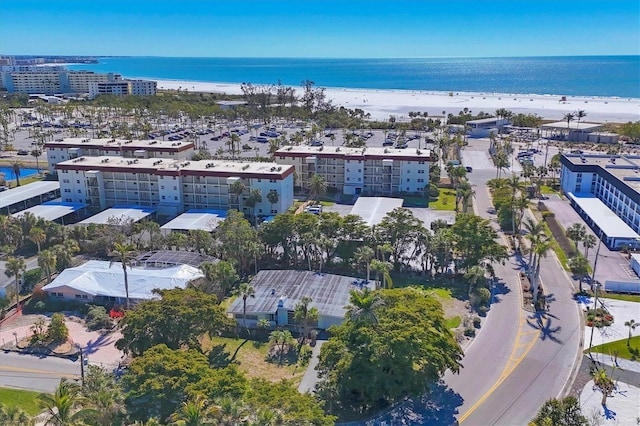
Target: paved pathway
310,378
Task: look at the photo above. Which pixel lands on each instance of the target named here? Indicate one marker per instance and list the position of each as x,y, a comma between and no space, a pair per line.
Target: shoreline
382,103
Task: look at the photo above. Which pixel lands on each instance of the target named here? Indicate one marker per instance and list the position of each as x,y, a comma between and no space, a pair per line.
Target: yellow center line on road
509,368
34,371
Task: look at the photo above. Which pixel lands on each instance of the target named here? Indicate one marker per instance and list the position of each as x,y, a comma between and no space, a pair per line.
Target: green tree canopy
475,241
178,319
560,412
367,364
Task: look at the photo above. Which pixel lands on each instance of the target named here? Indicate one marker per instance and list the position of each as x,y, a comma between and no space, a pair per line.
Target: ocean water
578,75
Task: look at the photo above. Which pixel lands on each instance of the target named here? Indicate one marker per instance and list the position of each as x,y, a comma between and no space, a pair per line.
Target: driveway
310,378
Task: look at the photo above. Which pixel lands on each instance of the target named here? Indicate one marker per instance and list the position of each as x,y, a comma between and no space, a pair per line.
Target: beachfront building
123,88
52,80
483,127
355,171
574,132
278,292
605,190
65,149
173,186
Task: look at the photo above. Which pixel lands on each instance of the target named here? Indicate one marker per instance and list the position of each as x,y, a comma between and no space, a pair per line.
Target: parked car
23,152
317,143
388,142
262,139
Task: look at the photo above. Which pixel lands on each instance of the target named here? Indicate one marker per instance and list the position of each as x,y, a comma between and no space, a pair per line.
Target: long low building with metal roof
119,214
278,292
206,220
25,196
53,210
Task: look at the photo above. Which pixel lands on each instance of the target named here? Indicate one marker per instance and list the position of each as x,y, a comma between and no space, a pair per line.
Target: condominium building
605,190
372,171
123,87
173,186
52,80
69,148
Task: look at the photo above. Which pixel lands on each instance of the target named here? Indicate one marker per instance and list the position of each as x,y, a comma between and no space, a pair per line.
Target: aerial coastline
381,103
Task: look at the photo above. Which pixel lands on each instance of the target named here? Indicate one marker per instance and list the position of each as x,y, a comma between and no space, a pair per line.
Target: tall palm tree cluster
540,246
48,240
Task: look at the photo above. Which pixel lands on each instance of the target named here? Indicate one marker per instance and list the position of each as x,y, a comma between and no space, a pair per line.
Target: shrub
476,322
480,297
304,355
470,332
30,279
482,310
57,331
98,318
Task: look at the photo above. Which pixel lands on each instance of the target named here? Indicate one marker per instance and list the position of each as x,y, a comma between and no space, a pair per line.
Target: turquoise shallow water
580,75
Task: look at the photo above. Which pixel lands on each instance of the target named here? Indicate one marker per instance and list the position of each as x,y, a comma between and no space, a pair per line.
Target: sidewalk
310,378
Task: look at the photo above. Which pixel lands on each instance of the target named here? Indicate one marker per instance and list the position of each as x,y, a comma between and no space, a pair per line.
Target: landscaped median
620,349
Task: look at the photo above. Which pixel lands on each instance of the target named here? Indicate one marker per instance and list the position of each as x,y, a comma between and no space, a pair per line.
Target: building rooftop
119,213
116,145
603,216
25,192
329,293
52,210
206,220
573,125
373,209
624,168
179,167
367,152
174,257
103,278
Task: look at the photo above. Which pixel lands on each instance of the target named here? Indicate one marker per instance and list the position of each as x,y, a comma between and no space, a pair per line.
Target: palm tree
38,236
63,408
255,197
541,251
36,153
244,290
273,198
568,117
580,114
576,233
16,167
14,416
194,412
125,254
382,268
535,233
473,276
47,260
363,256
589,241
234,140
632,324
305,315
516,186
237,188
317,187
15,267
603,383
363,304
465,194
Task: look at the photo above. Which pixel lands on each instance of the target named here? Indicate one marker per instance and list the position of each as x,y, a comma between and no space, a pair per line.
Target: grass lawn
545,189
446,200
562,257
453,322
625,297
327,203
26,400
620,347
410,201
252,359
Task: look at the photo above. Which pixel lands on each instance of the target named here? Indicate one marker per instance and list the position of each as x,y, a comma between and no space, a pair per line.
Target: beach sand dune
383,103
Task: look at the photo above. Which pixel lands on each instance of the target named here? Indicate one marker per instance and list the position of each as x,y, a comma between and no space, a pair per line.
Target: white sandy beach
383,103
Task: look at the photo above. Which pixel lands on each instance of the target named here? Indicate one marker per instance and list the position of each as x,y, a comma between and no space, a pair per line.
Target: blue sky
330,28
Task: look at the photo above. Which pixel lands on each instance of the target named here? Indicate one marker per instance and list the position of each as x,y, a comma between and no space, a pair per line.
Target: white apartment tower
367,171
174,186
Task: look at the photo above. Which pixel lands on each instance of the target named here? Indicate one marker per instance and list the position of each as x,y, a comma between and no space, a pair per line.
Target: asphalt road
35,373
519,360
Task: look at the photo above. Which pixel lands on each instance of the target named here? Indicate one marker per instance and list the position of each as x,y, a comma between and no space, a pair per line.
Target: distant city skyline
321,29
